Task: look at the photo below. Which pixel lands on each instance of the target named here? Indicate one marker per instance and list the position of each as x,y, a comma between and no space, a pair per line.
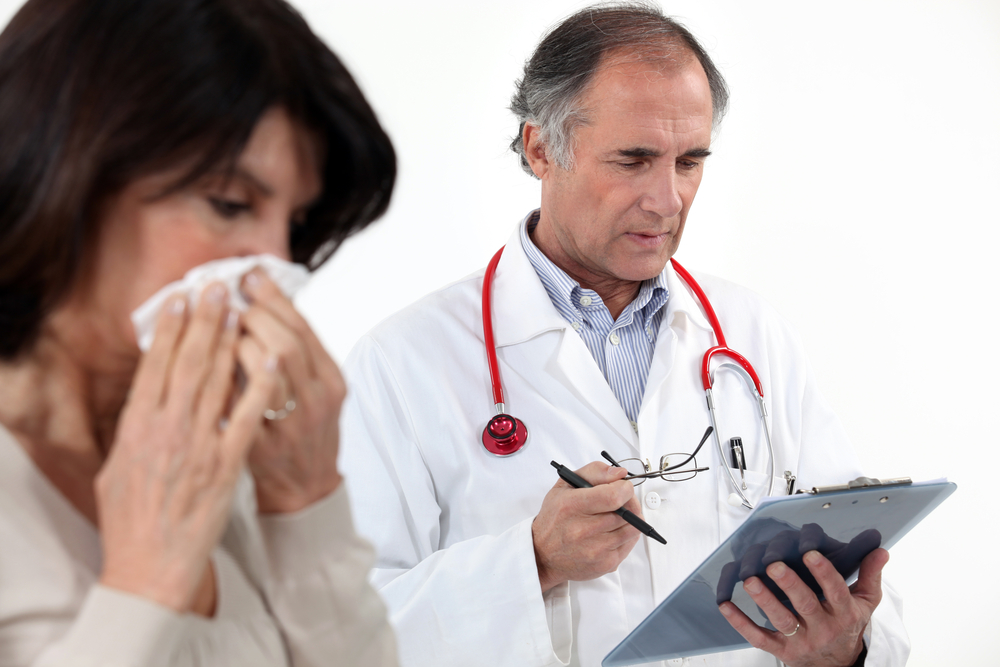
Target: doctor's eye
229,208
632,166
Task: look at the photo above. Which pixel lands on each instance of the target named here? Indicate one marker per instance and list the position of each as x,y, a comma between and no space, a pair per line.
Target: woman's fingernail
726,611
252,279
232,319
215,293
752,585
811,558
271,363
177,304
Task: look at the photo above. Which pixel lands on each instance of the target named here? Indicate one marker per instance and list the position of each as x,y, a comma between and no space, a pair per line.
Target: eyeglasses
639,470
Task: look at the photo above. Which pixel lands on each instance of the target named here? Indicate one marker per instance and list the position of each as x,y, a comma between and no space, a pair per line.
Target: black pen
578,482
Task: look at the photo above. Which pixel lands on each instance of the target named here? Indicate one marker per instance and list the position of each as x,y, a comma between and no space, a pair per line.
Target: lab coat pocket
732,513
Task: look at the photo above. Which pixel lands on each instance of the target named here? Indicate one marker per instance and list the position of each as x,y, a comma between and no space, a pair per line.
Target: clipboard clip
859,483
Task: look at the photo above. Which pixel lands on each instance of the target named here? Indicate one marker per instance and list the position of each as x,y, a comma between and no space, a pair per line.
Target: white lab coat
452,523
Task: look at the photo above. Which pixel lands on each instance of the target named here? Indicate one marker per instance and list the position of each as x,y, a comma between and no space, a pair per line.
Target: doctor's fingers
597,473
816,636
604,492
783,619
834,624
868,587
757,636
625,537
602,499
839,600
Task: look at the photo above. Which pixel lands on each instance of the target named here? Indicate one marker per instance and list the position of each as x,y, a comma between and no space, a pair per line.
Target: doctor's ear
534,151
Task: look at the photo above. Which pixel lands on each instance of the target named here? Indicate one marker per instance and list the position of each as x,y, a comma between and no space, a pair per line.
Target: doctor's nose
662,195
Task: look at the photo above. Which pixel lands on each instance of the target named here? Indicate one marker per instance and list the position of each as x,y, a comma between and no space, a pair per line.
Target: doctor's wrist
860,660
548,578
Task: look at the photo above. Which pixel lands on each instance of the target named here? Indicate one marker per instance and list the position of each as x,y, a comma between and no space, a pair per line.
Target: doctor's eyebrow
698,153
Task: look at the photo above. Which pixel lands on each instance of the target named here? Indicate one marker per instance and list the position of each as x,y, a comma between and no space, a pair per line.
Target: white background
853,185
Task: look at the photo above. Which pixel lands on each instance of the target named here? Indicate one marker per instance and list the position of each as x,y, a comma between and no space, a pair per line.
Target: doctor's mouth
648,240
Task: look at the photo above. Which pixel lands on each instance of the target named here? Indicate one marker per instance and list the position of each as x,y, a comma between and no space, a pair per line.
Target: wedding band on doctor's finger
789,634
280,413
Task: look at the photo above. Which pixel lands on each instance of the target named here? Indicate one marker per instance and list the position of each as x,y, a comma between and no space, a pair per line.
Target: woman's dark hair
94,94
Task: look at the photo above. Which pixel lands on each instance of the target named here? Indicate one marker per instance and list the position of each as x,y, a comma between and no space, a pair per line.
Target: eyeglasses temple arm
608,457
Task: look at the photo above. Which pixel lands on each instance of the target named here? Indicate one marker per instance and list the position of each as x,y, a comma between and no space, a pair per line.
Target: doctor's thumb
869,583
598,472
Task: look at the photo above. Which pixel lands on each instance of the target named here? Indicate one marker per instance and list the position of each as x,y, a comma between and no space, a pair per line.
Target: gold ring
789,634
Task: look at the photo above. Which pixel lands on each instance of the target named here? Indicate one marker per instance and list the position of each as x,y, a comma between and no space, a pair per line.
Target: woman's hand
294,460
165,492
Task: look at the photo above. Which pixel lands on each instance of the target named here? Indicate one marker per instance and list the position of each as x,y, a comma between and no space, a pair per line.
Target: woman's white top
291,589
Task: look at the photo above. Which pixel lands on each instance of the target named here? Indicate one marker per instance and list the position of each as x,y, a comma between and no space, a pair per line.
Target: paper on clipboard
844,525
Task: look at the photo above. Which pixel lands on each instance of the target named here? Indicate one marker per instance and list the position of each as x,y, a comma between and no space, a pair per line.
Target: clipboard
845,523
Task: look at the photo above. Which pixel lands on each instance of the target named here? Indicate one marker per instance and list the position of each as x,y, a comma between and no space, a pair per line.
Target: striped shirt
622,348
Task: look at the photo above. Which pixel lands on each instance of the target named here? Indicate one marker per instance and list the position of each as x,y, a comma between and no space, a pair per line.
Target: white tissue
287,276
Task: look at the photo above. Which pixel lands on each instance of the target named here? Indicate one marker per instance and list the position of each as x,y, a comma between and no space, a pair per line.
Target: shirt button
614,339
586,301
652,500
576,326
635,427
675,661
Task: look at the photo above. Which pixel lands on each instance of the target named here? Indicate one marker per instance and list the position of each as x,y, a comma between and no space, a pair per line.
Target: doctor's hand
577,535
294,459
822,633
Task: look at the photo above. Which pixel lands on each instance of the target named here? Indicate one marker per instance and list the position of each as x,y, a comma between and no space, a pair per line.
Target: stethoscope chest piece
504,435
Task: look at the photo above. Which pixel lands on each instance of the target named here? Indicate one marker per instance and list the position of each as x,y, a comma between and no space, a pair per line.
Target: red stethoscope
505,434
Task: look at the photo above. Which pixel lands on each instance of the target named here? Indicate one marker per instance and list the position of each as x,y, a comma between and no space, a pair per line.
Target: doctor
490,560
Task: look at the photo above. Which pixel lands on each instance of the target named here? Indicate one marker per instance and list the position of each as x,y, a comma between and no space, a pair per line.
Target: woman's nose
270,236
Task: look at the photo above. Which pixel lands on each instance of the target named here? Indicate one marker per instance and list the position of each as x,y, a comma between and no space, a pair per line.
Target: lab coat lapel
522,310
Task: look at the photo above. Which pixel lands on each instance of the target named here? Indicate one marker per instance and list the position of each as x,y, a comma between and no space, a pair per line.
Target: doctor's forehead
634,100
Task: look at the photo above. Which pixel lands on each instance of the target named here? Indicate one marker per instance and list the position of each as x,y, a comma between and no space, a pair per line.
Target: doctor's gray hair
566,60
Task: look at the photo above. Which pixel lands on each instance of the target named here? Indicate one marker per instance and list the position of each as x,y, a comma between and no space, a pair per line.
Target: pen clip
738,460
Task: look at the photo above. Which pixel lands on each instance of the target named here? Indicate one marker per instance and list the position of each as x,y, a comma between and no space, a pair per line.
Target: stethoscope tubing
742,367
491,347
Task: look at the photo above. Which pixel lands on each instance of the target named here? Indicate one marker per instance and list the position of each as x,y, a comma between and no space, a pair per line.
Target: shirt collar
521,307
565,293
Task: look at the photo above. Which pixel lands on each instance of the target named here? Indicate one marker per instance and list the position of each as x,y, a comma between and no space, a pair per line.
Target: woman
138,139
